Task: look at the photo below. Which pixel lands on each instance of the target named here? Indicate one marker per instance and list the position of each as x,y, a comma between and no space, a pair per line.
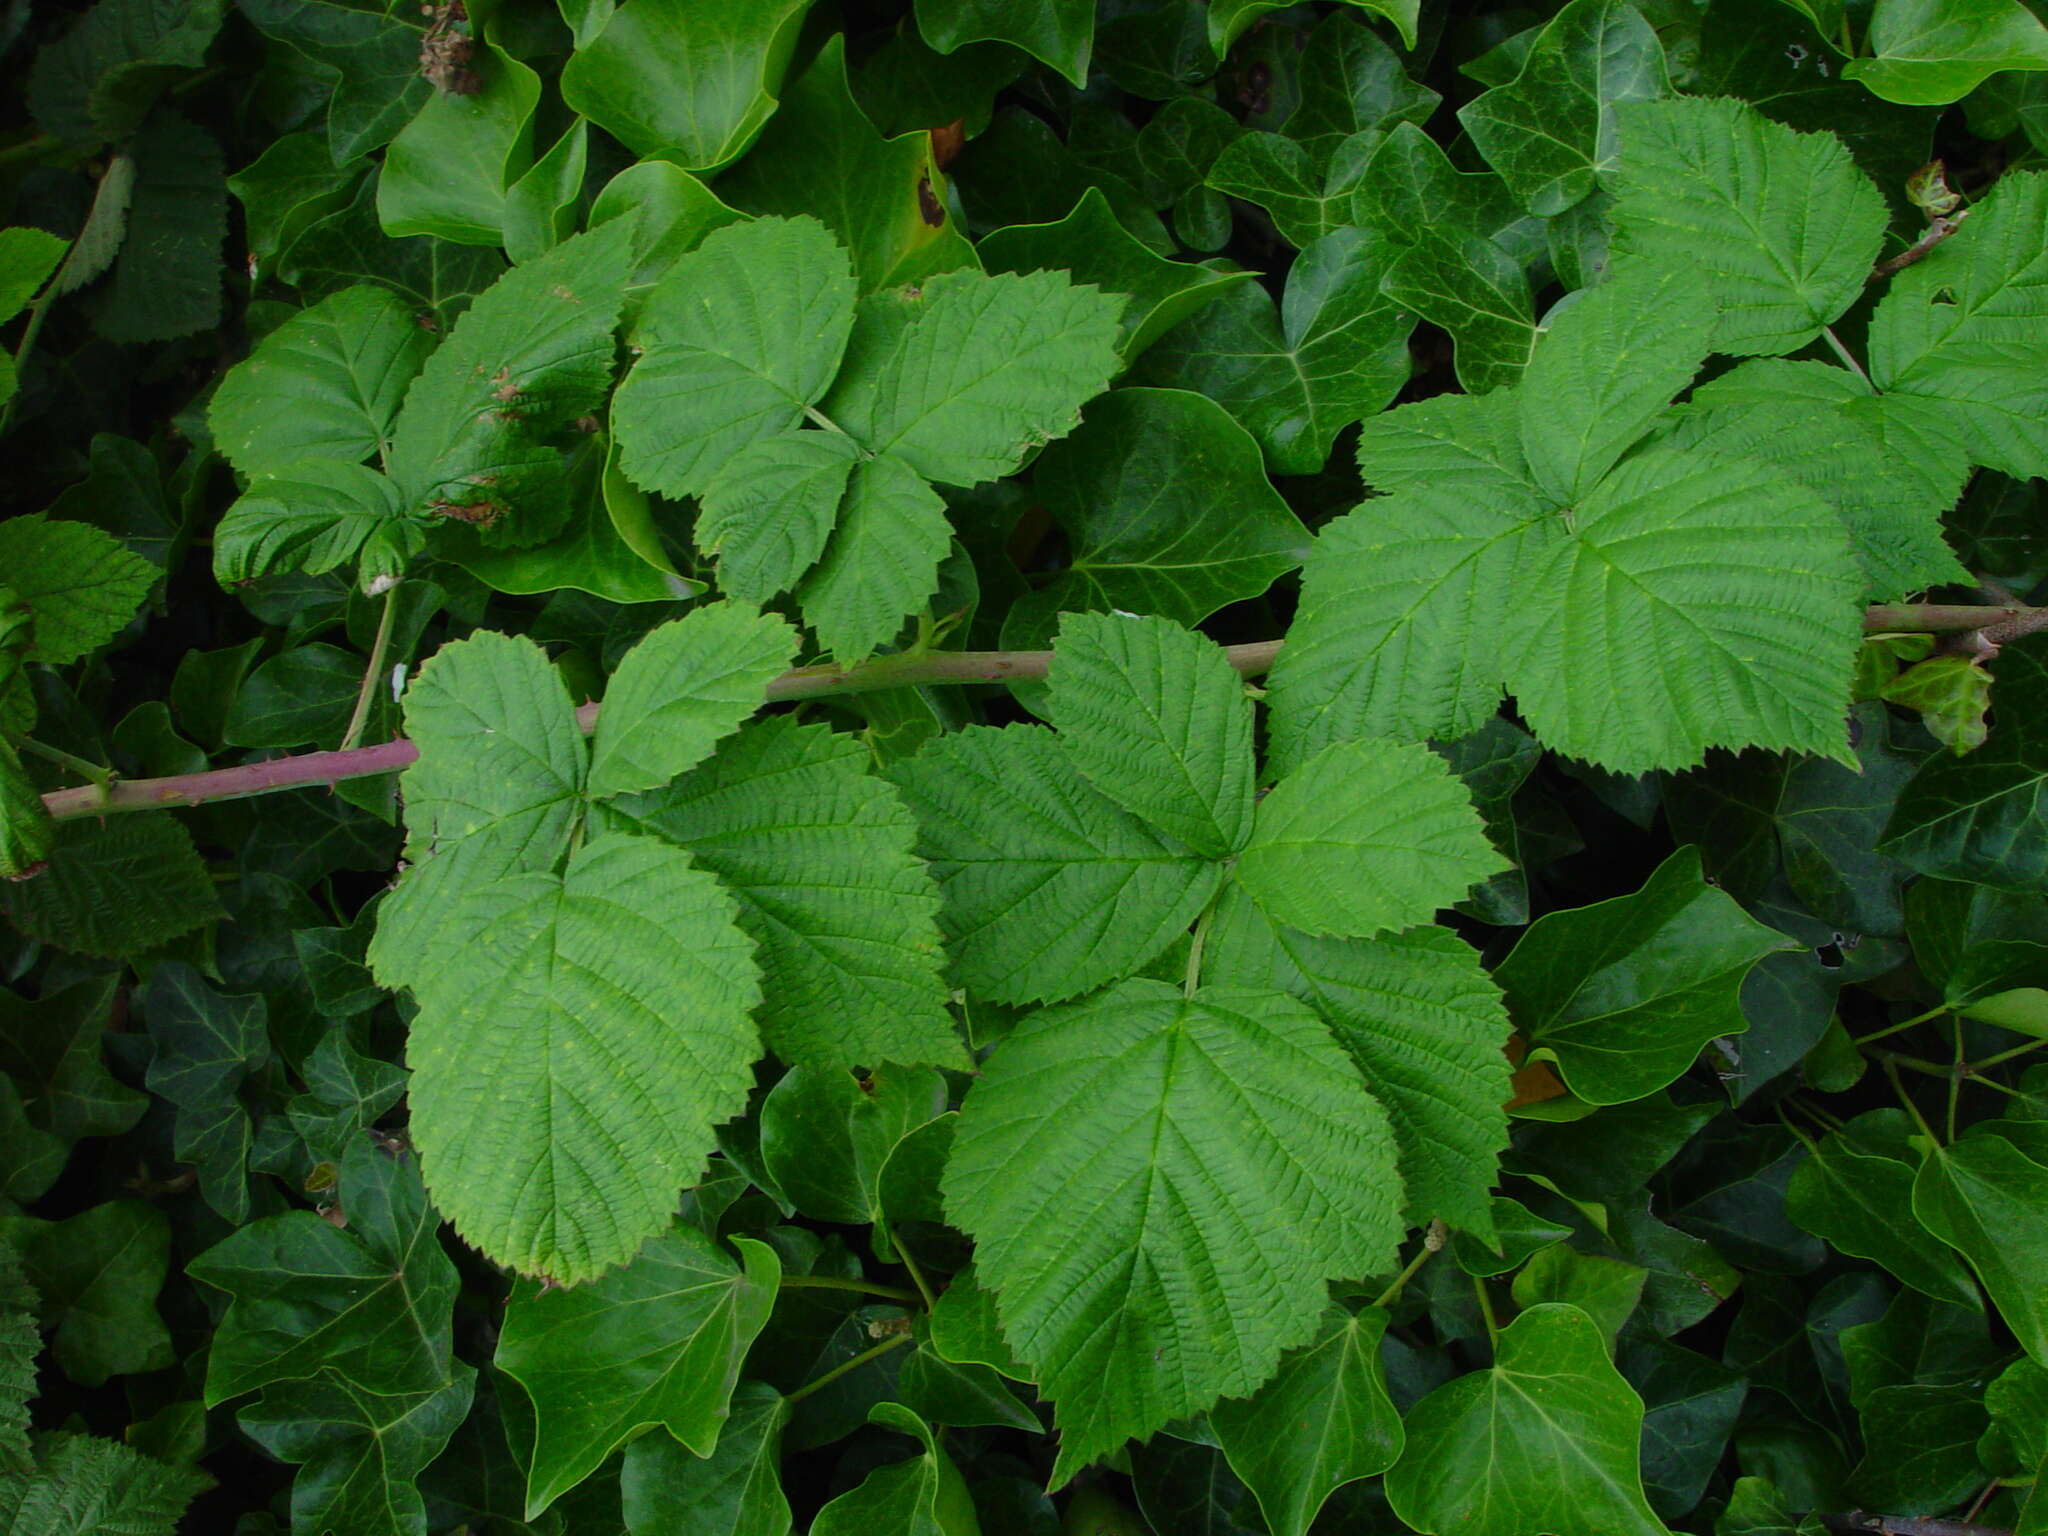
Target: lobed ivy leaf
98,80
96,1276
207,1042
448,171
735,1491
369,61
1057,32
1986,1199
1212,1160
1306,196
1465,283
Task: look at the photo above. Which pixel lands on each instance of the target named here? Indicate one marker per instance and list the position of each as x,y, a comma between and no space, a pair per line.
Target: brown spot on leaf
928,205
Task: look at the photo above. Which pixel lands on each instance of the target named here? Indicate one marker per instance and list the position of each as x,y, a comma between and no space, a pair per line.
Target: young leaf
1623,993
1323,1420
882,561
963,380
1210,1162
737,341
817,851
924,1494
1545,1439
1426,1027
80,585
550,1008
1050,889
1775,229
1155,718
1362,838
324,385
683,688
768,510
657,1344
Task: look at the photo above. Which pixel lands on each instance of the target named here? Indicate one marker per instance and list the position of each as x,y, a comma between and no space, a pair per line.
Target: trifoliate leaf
1156,719
324,385
1323,1421
1609,362
579,1036
1546,1439
1552,129
683,688
769,509
655,1345
1335,351
313,516
1426,1027
1623,993
1958,334
1776,229
496,791
1472,288
741,336
961,381
1050,889
530,356
1932,52
85,1485
81,586
114,888
360,1453
369,1304
817,850
881,562
1365,837
1210,1162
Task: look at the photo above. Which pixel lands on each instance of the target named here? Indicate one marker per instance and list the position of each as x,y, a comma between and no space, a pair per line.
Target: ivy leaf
924,1494
1167,511
826,1136
1988,1200
1162,1263
1920,1445
1782,226
1229,18
496,791
1324,1420
1979,817
97,1275
360,1452
1335,351
369,1305
1410,188
683,688
737,341
1056,32
372,64
1551,130
682,81
658,1343
1469,286
845,921
51,1049
1623,993
532,354
1352,82
1862,1204
1425,1026
540,1148
1307,198
1606,1290
965,379
1155,718
1925,53
81,586
1092,245
1545,1439
1050,889
114,888
447,172
84,1483
736,1491
314,516
769,508
881,562
288,188
324,385
348,246
1363,838
1954,337
207,1042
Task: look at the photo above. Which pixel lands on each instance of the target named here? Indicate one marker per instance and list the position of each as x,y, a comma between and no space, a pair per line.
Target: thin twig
373,674
894,1341
1939,228
1848,358
1860,1524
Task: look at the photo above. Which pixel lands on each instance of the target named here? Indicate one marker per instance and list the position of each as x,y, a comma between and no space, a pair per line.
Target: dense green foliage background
1553,1057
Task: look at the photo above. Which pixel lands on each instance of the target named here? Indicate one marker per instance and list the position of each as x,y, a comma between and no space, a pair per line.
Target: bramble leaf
881,562
315,515
80,585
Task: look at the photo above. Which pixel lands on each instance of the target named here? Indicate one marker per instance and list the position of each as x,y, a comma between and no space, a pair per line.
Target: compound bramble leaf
1776,229
1050,889
1208,1163
312,516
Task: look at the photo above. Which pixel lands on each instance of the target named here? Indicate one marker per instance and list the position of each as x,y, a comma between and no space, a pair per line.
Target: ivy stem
834,1283
1486,1311
373,674
1432,1243
2004,1056
1848,358
924,1290
894,1341
1953,1074
1955,1078
1892,1029
1890,1063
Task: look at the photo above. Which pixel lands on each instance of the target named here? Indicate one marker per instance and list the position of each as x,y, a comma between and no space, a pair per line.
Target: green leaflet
1956,333
655,1345
550,1007
83,1483
1783,225
1544,1440
26,831
1050,889
325,385
769,509
315,515
79,902
817,851
1155,719
882,560
80,586
1160,1263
